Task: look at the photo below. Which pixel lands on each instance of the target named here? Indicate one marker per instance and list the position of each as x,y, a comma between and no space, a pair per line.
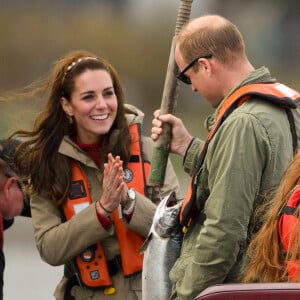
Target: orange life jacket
276,93
91,264
286,226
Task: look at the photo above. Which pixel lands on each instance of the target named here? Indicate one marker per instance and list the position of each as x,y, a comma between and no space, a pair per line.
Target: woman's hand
114,187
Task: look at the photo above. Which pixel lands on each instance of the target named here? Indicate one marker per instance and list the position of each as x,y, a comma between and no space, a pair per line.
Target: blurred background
135,36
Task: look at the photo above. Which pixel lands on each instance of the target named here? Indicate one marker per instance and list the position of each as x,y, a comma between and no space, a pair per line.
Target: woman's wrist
105,219
129,208
102,210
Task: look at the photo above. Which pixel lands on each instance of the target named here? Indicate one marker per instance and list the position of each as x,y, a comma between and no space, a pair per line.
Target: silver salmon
161,249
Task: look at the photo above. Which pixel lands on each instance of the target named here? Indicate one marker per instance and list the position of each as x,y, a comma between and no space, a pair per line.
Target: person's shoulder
147,142
133,114
260,107
256,114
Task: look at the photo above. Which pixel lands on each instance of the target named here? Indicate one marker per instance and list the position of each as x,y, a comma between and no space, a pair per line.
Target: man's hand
180,136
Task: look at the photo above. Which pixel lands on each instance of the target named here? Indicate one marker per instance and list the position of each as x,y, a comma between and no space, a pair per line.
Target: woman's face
93,105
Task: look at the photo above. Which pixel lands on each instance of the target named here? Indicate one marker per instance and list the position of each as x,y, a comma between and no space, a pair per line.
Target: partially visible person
253,135
7,154
274,253
13,201
87,166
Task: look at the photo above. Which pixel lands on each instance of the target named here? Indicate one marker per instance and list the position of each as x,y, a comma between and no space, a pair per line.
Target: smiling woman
86,214
93,105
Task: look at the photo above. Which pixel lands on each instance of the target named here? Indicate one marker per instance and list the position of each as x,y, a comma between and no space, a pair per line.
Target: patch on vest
77,190
127,175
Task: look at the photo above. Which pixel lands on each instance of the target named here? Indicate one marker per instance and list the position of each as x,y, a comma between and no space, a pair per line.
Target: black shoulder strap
291,119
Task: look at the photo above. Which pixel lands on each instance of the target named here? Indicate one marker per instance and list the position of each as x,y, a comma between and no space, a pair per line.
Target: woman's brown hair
46,170
267,258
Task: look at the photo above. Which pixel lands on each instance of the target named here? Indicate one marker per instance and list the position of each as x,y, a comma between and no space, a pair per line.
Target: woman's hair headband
74,63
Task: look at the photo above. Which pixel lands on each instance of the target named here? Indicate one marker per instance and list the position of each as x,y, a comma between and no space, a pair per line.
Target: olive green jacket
246,158
59,242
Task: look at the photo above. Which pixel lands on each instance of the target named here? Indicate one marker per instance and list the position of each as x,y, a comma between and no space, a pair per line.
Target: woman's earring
70,119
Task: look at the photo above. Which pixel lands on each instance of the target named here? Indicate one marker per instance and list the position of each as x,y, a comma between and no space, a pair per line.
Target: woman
88,166
274,252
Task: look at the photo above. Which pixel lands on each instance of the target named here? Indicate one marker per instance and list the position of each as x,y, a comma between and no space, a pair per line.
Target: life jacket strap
288,210
273,92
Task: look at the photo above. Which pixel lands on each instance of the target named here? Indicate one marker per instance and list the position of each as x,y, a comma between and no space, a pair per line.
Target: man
13,201
252,139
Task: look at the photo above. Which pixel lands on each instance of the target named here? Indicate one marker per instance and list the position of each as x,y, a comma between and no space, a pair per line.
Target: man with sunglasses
13,201
253,134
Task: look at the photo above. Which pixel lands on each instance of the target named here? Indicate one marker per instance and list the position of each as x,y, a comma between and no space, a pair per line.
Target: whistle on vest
186,227
109,291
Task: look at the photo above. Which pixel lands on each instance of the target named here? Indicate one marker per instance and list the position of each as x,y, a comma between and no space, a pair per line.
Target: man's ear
205,64
7,185
66,106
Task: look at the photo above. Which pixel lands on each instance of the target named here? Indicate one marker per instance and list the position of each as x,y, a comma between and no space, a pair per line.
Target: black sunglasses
185,79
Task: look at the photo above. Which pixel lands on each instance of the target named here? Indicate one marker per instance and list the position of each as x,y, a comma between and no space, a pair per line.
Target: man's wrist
187,149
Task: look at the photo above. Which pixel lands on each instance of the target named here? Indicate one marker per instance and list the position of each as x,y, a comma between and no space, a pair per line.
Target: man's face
203,80
11,198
